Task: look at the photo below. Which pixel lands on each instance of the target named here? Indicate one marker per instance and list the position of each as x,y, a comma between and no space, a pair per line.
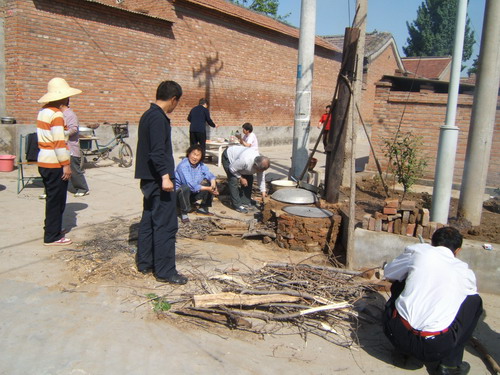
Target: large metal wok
295,196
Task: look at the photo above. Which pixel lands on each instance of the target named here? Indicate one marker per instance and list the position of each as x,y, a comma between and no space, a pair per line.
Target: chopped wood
233,299
322,268
308,299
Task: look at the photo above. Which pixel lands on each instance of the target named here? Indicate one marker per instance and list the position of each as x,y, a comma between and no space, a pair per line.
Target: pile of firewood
279,298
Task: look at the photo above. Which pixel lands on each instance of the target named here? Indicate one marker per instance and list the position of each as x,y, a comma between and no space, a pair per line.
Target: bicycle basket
121,130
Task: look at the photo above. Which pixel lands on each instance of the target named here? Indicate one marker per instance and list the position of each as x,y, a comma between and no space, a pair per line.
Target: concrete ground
50,323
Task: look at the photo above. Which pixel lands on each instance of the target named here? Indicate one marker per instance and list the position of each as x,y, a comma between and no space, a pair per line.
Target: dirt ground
370,197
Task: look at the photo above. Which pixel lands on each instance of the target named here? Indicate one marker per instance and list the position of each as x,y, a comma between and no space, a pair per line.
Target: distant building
381,58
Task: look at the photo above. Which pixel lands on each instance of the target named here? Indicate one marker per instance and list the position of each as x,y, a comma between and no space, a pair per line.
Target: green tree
269,7
473,68
433,31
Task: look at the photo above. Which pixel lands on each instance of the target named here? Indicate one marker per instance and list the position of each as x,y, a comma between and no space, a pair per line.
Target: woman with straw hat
54,158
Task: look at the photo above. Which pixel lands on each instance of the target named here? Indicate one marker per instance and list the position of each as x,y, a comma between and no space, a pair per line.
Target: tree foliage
269,7
433,31
473,68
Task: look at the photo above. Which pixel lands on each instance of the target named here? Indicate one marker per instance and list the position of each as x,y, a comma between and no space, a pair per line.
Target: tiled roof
237,11
148,8
375,43
428,67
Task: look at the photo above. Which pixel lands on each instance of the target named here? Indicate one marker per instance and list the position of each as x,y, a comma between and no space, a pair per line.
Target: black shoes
145,271
463,369
204,211
174,279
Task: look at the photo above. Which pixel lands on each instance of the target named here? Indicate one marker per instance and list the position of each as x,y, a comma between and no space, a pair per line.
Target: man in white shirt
240,164
434,305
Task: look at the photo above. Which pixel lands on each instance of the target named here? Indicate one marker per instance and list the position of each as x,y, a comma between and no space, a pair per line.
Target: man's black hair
203,101
198,147
167,90
448,237
247,126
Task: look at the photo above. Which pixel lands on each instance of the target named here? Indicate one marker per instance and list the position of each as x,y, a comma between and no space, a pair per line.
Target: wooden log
232,299
289,316
484,353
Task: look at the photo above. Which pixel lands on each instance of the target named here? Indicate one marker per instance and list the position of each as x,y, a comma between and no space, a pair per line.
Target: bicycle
101,151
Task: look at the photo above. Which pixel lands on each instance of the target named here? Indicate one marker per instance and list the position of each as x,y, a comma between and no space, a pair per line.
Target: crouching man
434,305
193,182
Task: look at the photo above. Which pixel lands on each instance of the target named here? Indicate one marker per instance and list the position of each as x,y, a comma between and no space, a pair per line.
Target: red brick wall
424,114
118,58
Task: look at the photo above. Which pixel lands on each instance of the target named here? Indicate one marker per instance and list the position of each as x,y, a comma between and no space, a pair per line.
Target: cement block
372,249
408,205
425,217
406,217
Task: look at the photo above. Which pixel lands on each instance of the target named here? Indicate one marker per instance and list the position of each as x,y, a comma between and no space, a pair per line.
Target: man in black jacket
156,169
199,117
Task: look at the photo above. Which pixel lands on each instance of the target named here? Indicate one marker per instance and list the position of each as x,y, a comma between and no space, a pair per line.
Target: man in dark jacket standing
156,169
199,117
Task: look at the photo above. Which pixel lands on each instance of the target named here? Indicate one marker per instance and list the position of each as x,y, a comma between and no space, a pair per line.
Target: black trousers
196,137
55,202
157,230
185,198
448,348
239,195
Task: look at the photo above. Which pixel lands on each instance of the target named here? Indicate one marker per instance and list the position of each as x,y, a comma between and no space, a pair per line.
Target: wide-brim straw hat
58,89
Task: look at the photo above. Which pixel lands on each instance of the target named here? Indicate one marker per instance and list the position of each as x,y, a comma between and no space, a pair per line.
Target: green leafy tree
433,31
269,7
473,68
404,159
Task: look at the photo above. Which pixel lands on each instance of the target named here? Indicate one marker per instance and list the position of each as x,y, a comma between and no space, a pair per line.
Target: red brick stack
401,218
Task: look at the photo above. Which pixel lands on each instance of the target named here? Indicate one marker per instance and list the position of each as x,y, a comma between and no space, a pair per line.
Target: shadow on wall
205,74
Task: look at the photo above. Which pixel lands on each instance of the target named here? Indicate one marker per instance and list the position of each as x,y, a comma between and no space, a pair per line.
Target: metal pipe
303,92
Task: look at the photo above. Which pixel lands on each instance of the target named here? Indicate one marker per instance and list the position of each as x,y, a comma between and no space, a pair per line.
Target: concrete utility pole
482,122
354,123
448,137
304,87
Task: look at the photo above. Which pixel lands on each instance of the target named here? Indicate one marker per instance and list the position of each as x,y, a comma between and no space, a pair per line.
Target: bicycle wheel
125,154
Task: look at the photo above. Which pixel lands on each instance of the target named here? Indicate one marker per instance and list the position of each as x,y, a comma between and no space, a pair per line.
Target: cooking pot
8,120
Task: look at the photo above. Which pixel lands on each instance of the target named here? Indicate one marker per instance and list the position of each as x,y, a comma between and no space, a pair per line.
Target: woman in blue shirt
193,182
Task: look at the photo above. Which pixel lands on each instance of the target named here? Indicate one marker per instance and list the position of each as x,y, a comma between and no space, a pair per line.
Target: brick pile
401,218
303,233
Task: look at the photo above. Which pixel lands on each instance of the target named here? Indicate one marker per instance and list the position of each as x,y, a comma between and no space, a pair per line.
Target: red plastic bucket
7,163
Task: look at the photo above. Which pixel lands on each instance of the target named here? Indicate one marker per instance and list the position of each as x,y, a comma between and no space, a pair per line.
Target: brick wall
118,58
423,112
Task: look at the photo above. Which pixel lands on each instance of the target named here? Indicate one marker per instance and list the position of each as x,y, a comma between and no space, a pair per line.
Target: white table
217,148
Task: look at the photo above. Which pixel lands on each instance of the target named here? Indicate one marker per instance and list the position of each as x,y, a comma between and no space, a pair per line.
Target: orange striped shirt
54,152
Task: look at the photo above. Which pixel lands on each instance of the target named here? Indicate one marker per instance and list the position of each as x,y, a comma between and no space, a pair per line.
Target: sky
333,16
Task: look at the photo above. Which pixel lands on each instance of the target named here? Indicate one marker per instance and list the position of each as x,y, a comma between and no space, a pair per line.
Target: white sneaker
82,193
42,196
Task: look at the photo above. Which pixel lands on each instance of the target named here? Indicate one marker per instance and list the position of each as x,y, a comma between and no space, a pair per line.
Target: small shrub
404,160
